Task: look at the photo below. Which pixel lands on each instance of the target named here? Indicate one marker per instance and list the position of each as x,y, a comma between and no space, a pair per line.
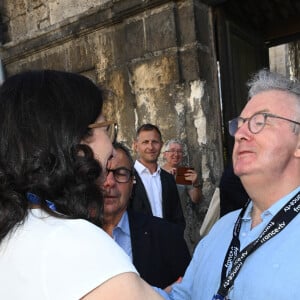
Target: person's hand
172,171
168,289
192,176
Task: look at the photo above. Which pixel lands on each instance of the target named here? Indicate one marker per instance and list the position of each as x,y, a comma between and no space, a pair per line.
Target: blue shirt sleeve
162,293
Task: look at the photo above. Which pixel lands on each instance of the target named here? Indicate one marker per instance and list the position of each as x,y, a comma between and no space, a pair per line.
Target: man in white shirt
155,191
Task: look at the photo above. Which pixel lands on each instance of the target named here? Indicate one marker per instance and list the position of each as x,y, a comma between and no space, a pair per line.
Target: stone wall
157,57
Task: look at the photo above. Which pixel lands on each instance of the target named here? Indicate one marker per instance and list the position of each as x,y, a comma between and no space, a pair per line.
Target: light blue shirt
270,272
121,234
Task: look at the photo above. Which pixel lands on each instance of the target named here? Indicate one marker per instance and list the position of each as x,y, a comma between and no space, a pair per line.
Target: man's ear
297,151
134,145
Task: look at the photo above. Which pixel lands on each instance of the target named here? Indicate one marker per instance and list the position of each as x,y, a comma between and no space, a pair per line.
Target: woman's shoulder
67,232
82,252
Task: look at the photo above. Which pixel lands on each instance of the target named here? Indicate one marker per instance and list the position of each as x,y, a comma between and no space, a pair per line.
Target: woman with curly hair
50,124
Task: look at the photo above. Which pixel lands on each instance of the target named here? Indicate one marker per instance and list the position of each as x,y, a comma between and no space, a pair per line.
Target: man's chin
151,161
109,210
108,202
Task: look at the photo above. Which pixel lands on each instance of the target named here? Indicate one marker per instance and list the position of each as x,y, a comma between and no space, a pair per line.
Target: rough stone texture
156,57
61,10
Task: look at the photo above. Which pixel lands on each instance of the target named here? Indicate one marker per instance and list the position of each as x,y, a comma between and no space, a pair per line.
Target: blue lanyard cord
219,297
34,199
236,258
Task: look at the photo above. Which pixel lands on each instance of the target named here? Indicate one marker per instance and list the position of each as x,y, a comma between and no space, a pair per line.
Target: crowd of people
80,219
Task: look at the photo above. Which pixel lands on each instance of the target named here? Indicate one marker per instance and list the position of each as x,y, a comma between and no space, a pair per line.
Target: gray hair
265,80
168,143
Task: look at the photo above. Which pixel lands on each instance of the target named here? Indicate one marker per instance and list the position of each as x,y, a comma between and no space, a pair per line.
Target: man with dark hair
155,192
157,247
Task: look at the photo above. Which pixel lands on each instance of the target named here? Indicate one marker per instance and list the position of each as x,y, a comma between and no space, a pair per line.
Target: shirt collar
140,168
274,209
123,224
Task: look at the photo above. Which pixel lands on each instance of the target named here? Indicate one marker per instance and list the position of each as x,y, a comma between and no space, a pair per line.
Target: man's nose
150,144
109,180
243,132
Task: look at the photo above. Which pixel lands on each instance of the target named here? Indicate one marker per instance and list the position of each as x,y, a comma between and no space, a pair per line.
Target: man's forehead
148,133
274,101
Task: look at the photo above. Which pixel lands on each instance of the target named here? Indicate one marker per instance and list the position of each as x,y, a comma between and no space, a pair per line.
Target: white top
59,259
153,188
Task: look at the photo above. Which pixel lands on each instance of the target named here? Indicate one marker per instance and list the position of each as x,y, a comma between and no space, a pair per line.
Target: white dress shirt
153,188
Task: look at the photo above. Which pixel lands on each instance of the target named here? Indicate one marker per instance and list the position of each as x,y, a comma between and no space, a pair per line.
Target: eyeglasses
256,123
121,175
175,151
111,128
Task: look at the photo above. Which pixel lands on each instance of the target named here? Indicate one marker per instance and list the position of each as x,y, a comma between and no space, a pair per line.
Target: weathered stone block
121,6
154,73
61,10
207,65
160,30
186,23
103,54
16,8
81,52
33,4
36,16
189,64
119,104
203,25
18,28
134,39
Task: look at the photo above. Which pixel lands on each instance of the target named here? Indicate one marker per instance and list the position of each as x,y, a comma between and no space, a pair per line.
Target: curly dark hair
44,116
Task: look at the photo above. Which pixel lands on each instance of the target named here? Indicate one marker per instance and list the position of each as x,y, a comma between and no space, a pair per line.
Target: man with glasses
155,191
156,247
173,156
252,253
188,186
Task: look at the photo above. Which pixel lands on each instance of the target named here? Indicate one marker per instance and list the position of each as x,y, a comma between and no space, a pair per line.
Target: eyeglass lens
121,175
256,123
175,151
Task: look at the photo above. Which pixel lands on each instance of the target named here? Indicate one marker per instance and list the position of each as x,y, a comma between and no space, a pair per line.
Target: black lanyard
236,259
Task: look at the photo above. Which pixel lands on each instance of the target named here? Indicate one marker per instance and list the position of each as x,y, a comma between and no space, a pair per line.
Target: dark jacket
232,193
159,251
171,205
